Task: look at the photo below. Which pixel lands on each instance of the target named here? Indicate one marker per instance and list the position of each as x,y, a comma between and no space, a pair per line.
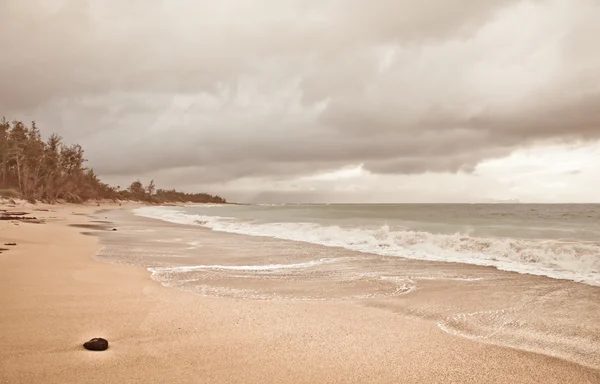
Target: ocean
559,241
519,276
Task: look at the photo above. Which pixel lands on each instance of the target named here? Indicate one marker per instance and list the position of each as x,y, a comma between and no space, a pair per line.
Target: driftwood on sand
7,213
20,216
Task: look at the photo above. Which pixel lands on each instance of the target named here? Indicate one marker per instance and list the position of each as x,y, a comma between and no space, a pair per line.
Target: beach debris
114,229
96,344
10,244
19,216
6,213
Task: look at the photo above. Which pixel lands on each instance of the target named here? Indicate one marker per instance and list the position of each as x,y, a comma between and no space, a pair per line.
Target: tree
137,190
33,163
151,188
73,171
4,150
52,172
17,146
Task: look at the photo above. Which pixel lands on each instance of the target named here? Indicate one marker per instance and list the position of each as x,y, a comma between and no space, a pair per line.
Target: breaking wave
577,261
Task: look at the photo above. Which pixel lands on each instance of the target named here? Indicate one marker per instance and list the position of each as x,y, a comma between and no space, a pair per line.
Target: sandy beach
300,192
55,296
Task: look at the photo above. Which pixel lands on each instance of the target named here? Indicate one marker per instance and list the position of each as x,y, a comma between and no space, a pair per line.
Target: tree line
52,171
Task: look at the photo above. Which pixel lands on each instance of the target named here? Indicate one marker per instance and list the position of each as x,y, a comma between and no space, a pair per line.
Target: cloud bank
271,89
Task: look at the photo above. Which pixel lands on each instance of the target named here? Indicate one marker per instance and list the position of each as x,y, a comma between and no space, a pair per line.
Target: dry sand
54,296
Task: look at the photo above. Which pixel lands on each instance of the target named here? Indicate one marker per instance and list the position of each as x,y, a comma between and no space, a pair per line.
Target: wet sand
54,296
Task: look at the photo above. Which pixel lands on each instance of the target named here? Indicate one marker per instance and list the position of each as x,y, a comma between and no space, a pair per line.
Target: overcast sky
318,100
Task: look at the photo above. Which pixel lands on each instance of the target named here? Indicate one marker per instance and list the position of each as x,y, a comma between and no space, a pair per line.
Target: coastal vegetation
52,171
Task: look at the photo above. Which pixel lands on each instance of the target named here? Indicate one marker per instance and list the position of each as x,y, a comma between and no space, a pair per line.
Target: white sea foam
577,261
267,267
203,205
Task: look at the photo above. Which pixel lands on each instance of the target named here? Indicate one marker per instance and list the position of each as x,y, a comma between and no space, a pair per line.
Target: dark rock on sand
114,229
96,344
10,244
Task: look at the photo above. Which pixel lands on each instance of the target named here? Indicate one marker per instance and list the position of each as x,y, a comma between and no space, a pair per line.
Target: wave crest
577,261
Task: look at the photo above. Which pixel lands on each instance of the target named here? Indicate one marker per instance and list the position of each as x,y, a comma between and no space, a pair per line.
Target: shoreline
575,295
462,264
55,296
484,251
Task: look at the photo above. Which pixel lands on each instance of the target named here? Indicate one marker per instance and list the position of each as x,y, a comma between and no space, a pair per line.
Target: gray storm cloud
234,89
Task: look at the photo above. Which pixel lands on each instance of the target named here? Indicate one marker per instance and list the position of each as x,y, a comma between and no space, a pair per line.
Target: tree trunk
19,174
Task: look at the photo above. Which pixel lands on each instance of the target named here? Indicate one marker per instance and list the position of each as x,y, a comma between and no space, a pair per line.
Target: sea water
559,241
520,276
